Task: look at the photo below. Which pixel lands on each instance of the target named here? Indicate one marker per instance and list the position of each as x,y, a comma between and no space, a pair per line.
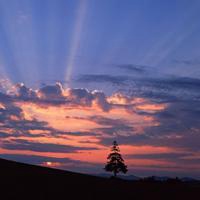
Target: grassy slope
22,181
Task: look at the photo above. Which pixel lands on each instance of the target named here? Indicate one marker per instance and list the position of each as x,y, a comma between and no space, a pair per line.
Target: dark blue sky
42,40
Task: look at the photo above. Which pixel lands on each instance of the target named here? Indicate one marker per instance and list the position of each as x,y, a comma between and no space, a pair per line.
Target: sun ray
81,12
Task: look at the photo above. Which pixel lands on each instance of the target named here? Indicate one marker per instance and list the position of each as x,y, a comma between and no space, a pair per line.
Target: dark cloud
46,95
178,127
134,139
13,120
167,89
188,142
24,92
20,144
190,62
179,159
112,126
134,68
3,135
57,133
25,125
54,92
183,83
107,121
163,89
8,110
101,100
4,98
65,163
181,116
82,95
103,78
33,159
159,137
54,95
109,127
159,156
115,131
86,98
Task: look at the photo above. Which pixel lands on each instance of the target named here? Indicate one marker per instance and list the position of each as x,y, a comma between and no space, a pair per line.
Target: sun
49,163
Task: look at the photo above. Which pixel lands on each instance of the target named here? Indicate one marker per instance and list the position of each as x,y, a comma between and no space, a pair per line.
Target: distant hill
23,181
156,178
125,177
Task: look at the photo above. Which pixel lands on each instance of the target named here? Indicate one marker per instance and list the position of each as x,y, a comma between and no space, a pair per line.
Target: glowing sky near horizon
75,75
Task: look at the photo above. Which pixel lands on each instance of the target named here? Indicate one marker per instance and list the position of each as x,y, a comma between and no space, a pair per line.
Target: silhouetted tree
115,161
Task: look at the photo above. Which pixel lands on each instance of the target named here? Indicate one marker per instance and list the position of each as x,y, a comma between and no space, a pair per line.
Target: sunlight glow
81,12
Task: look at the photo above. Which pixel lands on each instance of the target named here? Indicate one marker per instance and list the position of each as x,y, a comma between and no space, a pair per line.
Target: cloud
24,92
163,89
177,127
34,159
107,121
20,144
8,109
177,159
54,92
57,95
61,163
84,97
3,135
112,127
190,62
4,98
139,69
13,121
159,156
103,78
174,83
157,112
100,100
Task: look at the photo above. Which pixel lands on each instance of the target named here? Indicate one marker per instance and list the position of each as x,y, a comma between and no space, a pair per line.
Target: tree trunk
115,173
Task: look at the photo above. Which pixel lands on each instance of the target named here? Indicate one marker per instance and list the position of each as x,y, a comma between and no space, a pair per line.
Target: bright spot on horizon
49,163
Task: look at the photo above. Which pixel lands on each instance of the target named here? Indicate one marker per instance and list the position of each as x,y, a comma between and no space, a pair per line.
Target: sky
76,75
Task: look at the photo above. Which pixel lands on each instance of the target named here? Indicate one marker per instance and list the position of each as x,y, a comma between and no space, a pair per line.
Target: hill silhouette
24,181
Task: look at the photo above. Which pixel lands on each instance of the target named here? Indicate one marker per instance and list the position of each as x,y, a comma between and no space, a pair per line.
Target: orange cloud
68,114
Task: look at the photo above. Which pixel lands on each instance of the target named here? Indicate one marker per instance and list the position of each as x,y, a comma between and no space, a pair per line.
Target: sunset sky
77,74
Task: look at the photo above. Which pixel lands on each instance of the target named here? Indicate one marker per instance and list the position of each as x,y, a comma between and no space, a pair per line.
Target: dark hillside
23,181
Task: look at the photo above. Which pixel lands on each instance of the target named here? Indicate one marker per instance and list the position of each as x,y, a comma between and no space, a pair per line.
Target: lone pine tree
115,161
